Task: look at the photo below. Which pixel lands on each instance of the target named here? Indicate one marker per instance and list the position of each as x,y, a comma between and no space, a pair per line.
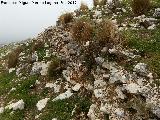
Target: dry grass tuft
107,32
66,18
99,2
140,7
55,68
37,45
13,57
82,31
84,7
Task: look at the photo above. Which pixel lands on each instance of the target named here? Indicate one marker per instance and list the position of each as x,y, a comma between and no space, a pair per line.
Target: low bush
82,31
13,57
84,7
140,7
55,68
66,18
106,32
37,45
99,2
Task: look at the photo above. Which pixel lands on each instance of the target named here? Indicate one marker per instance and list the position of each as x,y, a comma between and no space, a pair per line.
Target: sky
19,22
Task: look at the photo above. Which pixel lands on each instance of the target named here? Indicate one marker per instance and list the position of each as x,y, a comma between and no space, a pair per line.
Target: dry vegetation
66,18
13,57
37,45
55,68
84,7
140,7
107,32
82,31
99,2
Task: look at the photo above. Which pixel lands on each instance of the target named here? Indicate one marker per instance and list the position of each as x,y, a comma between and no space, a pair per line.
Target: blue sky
20,22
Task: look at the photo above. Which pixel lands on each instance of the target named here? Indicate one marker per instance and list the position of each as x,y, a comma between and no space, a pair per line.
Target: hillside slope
112,73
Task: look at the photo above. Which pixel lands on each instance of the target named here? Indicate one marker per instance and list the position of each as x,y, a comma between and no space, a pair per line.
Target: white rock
87,44
99,83
113,50
133,88
119,93
119,112
92,113
40,67
49,85
103,109
44,68
117,76
106,76
36,67
98,14
21,54
1,110
37,116
157,12
56,88
48,53
38,82
66,74
46,45
141,68
129,54
17,105
13,89
54,119
104,49
11,70
151,27
18,71
123,10
150,75
42,103
65,95
156,111
99,60
76,87
34,56
98,93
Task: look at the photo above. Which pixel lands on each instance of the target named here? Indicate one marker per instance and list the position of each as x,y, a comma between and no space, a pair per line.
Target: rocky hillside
95,64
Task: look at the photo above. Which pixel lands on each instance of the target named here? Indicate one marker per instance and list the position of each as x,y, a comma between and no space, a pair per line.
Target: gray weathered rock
157,12
99,60
141,69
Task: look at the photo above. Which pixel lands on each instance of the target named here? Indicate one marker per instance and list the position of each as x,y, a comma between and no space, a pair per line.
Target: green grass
41,53
62,109
6,82
23,91
148,44
16,115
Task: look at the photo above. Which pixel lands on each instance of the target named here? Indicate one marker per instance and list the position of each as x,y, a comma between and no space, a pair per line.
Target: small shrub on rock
66,18
140,7
82,31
